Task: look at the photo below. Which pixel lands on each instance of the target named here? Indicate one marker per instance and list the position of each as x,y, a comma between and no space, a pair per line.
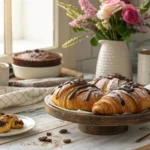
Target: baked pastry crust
76,95
129,98
114,94
110,82
17,124
5,125
37,58
8,122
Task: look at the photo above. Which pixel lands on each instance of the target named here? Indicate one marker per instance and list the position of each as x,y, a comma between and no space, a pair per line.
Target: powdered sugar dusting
113,84
141,92
100,84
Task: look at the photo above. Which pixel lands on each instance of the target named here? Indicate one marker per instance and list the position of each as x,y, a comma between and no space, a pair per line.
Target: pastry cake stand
97,124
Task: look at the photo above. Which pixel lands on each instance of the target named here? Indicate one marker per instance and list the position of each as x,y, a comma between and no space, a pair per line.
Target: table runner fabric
48,82
28,92
13,96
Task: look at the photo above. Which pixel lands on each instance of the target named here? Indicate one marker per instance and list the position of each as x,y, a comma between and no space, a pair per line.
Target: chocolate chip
67,141
44,138
19,122
2,123
63,131
48,134
48,140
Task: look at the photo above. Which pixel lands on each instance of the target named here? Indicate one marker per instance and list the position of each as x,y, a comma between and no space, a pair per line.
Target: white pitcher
113,58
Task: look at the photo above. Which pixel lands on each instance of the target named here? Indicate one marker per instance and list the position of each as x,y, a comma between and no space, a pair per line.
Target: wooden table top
80,141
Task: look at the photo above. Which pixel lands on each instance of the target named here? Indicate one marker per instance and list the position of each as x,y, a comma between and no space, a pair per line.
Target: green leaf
145,7
99,35
131,31
94,41
78,29
121,29
148,25
126,38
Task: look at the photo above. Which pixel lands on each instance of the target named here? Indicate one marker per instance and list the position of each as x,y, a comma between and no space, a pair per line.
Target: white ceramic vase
113,57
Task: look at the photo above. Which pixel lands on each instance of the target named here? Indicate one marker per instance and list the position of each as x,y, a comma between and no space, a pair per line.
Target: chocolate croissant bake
110,82
8,122
76,94
129,98
113,94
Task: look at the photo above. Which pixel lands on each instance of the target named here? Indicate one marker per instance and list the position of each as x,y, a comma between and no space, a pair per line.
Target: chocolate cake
37,58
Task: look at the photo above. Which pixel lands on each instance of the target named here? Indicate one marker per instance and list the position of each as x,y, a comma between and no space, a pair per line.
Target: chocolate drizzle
118,76
112,76
148,91
82,86
71,82
86,88
130,87
2,123
126,89
73,93
116,96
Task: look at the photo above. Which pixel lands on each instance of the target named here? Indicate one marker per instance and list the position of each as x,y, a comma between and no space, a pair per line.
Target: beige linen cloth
27,92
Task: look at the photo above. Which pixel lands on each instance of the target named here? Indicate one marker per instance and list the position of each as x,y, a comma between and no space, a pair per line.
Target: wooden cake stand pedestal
97,124
100,130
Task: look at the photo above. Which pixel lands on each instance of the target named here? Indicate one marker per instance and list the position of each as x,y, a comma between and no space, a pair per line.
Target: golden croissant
129,98
110,82
76,95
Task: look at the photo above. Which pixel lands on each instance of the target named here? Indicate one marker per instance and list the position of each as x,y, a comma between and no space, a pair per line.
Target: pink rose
110,2
109,7
114,2
127,1
131,15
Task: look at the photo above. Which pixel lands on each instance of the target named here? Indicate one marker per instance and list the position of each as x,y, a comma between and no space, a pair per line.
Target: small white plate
28,125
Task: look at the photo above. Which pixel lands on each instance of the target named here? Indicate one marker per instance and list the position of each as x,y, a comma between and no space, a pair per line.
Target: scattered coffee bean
37,50
48,140
67,141
2,114
63,131
48,134
44,138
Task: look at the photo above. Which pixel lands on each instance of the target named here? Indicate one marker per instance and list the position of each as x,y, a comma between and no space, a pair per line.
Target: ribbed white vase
113,58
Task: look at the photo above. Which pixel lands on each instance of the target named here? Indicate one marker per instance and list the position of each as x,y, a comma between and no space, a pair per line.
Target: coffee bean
48,140
63,131
67,141
37,50
48,134
44,138
1,114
